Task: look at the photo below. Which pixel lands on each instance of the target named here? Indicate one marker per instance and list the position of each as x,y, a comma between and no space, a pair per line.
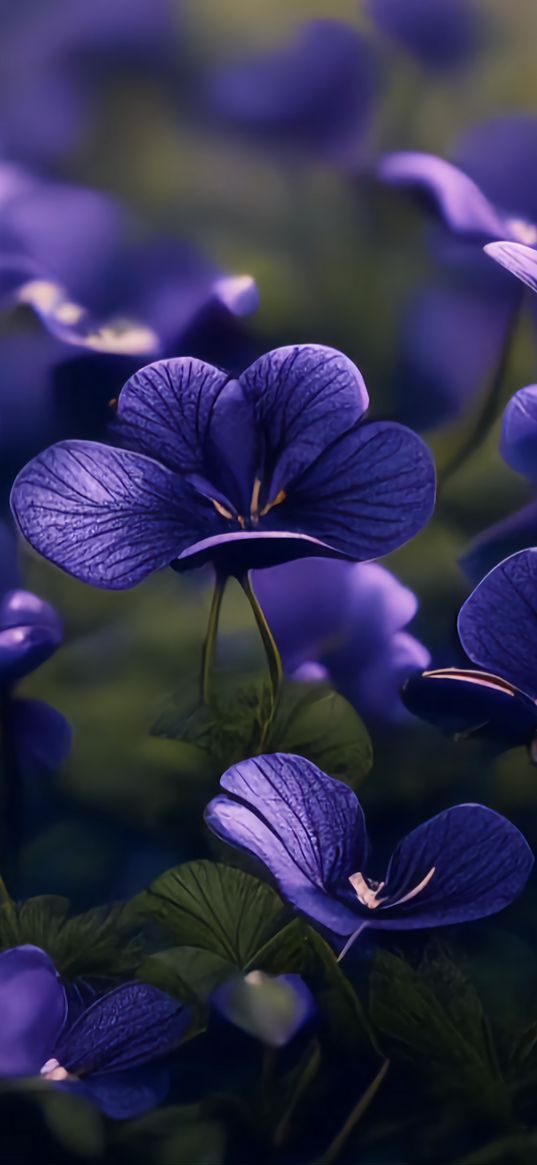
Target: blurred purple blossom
107,1053
345,622
458,326
498,630
309,831
275,465
314,94
440,34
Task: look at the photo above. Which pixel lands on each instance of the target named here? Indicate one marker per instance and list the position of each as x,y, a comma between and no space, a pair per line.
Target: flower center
367,891
255,512
52,1070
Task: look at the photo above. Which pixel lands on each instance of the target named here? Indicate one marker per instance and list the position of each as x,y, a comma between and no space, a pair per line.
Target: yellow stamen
254,503
220,509
280,497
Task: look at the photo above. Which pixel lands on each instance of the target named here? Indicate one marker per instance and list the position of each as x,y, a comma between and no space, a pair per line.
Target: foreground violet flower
460,326
106,1054
314,94
271,1008
309,831
498,630
518,447
344,622
249,472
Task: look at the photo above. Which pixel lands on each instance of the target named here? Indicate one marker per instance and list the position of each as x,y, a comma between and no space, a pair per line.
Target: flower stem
269,642
487,414
350,942
334,1149
209,645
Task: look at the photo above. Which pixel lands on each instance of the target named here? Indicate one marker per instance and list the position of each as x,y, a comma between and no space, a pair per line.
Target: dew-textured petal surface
33,1008
107,516
460,203
304,397
129,1026
369,493
498,622
517,258
306,827
481,863
165,411
518,440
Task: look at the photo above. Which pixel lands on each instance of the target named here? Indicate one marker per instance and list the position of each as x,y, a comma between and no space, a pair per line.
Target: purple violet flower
345,622
249,472
440,34
309,830
107,1053
459,325
314,94
498,630
273,1008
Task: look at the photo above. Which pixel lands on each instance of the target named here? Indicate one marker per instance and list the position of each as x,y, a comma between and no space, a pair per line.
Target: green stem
209,645
335,1147
269,642
487,414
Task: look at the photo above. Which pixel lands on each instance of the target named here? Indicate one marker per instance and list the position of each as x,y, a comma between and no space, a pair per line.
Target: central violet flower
273,466
309,831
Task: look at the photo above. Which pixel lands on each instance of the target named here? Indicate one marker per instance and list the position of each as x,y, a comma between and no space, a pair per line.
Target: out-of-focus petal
271,1008
375,690
518,440
481,862
33,1008
124,1095
498,622
441,34
42,737
460,203
500,154
108,516
516,532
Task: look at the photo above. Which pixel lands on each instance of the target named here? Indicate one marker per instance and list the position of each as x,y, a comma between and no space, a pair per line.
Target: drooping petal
33,1008
516,532
458,200
481,862
370,492
451,343
307,828
304,396
107,516
271,1008
73,324
518,440
130,1026
469,704
498,622
517,258
41,735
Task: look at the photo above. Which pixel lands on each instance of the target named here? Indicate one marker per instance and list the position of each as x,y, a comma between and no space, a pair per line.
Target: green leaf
190,973
74,1124
432,1017
314,721
177,1134
211,906
97,942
